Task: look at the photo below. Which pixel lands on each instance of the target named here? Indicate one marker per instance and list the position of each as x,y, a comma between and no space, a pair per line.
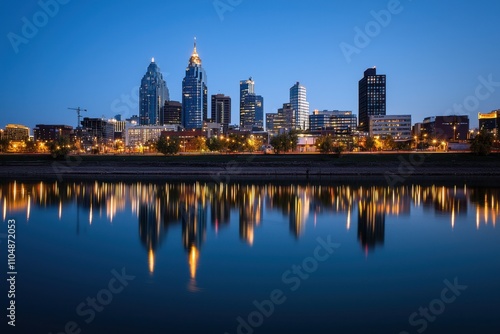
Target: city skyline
425,80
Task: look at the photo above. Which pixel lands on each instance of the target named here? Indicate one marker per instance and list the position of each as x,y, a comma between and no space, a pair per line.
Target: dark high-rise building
194,94
171,113
221,110
152,95
372,97
251,107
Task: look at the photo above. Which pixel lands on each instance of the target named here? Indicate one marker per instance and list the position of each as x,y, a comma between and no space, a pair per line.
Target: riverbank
393,168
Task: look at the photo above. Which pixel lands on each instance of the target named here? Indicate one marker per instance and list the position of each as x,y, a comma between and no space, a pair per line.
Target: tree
369,144
325,144
4,145
339,148
168,146
482,144
199,144
285,142
60,147
30,146
214,144
293,139
389,143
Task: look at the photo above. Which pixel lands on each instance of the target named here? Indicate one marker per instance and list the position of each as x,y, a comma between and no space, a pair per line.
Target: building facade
171,113
336,120
152,95
44,132
451,128
281,122
298,100
142,134
251,107
396,126
16,132
372,97
97,130
490,122
221,110
194,94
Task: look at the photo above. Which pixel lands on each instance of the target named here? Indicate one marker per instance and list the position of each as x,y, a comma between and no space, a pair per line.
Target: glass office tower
298,100
152,95
194,94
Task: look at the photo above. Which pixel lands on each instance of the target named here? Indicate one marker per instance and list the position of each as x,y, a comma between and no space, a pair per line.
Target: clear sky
93,53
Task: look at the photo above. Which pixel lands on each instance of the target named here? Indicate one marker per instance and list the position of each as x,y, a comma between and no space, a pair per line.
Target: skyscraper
251,107
221,110
372,97
194,93
298,100
152,95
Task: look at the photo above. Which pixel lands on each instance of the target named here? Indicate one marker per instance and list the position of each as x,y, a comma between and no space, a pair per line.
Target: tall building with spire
152,95
194,93
298,100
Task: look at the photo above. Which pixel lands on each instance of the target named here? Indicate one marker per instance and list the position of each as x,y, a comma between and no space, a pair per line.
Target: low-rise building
142,134
49,132
450,128
396,126
16,132
490,122
335,120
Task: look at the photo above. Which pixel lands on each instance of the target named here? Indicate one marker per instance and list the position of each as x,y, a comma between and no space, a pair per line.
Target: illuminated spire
153,59
195,58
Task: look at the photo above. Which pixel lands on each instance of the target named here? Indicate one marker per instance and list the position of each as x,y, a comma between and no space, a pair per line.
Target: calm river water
98,257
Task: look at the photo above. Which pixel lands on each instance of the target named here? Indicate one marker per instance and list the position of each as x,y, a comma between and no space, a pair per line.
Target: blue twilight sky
94,53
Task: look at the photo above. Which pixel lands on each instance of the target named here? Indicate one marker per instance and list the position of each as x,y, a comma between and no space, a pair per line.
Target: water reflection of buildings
159,206
373,205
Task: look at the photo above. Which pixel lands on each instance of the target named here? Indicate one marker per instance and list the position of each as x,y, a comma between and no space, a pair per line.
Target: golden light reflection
194,256
151,260
28,209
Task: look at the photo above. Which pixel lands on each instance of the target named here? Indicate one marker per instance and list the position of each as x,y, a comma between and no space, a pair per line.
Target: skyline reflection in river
207,251
196,205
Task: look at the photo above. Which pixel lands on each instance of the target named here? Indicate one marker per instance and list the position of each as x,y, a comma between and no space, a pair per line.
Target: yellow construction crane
78,111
